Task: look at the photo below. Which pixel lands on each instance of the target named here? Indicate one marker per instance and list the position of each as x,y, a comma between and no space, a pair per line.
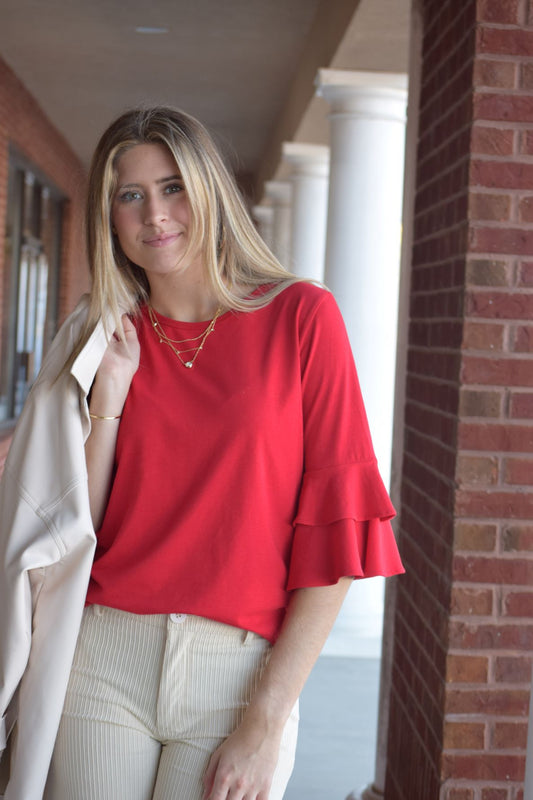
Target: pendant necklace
174,344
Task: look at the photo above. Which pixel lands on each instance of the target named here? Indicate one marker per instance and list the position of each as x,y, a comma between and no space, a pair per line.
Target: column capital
364,94
306,159
279,192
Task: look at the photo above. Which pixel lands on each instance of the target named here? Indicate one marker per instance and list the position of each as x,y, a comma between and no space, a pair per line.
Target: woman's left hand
244,764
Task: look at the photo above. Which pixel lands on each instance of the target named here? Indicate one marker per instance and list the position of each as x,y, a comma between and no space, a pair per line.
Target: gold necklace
163,338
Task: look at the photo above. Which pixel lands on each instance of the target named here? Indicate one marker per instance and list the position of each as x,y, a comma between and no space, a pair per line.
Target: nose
155,211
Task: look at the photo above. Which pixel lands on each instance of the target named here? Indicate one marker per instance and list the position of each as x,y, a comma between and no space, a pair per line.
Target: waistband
189,623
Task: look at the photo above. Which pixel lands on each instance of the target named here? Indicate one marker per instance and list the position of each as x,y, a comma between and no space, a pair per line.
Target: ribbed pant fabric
150,698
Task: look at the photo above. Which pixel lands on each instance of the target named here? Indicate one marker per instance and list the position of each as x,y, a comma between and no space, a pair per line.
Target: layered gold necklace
194,344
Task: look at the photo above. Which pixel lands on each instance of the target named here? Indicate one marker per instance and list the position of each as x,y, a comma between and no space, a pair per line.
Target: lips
161,240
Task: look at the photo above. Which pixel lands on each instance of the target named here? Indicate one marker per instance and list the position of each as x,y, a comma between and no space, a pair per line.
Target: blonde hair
221,230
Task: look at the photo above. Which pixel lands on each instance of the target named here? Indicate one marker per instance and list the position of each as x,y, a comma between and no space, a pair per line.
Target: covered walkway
338,729
310,97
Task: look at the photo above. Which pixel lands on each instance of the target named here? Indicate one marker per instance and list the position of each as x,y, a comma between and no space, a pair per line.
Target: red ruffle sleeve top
247,476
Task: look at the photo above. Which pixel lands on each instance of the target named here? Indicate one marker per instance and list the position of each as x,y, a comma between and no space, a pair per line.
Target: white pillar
367,133
369,110
264,217
279,195
368,113
309,178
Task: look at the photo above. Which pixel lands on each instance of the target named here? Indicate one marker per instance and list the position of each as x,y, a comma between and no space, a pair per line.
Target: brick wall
24,123
464,632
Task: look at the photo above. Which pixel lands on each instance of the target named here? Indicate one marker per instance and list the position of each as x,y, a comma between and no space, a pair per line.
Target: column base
371,792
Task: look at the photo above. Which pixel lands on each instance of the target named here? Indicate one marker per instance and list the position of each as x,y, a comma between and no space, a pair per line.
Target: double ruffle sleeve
342,525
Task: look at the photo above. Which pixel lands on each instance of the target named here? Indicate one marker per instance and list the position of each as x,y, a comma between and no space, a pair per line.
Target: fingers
128,325
220,781
223,784
128,335
209,776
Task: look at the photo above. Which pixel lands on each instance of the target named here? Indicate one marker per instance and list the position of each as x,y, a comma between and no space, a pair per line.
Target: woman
201,412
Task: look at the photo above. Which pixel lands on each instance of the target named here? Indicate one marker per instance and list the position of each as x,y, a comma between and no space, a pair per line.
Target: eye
129,195
173,188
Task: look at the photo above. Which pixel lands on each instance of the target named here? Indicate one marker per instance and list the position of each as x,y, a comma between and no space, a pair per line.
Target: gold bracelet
97,416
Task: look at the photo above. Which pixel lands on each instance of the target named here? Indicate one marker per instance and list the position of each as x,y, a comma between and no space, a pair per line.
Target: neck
191,303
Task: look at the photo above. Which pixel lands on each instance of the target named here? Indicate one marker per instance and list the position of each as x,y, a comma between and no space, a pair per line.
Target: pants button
178,618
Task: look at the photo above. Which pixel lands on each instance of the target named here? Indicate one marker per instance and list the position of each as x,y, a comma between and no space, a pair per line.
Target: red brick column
464,627
24,124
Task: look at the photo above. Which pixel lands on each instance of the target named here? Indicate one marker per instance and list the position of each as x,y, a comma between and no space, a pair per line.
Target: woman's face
150,210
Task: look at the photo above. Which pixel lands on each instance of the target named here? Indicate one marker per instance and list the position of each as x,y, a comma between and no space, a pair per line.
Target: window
31,279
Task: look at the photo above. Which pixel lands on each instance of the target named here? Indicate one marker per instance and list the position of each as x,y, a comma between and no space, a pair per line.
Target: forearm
108,395
246,761
107,400
309,619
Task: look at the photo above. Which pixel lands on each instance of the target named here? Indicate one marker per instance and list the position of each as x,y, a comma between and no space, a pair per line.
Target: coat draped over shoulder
47,544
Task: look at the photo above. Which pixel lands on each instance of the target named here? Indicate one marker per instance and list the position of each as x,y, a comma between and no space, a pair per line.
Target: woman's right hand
108,395
115,373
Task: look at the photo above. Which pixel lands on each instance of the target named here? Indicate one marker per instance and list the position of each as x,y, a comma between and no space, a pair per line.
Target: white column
367,137
363,261
309,165
264,217
279,195
368,113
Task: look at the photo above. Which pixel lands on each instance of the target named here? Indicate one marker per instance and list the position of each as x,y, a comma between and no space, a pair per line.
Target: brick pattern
495,450
464,635
25,124
433,394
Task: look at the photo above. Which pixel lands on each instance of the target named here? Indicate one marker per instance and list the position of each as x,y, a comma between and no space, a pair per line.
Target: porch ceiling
231,63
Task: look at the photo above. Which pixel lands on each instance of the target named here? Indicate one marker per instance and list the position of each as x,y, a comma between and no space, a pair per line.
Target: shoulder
73,323
77,317
304,291
312,306
63,342
304,299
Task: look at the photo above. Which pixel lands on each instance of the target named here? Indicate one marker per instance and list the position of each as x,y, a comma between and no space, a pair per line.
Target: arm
244,764
340,497
108,395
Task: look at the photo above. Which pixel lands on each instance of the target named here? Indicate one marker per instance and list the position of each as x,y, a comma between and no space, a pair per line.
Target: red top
247,476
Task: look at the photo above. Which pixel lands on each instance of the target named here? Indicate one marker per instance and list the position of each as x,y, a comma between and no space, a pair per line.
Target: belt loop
247,638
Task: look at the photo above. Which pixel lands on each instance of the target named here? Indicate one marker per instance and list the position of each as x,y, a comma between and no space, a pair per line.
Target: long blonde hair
221,230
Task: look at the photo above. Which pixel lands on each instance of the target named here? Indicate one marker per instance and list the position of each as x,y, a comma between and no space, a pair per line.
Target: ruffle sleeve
342,527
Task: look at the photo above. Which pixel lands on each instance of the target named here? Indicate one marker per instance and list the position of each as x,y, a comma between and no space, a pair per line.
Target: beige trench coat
47,545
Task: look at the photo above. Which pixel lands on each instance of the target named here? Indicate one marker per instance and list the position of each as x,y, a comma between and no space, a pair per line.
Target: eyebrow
159,181
176,177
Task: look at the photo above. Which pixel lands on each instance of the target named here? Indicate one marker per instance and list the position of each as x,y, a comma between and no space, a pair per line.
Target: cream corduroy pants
150,698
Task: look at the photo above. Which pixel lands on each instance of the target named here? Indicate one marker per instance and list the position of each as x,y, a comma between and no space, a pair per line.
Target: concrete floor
338,726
